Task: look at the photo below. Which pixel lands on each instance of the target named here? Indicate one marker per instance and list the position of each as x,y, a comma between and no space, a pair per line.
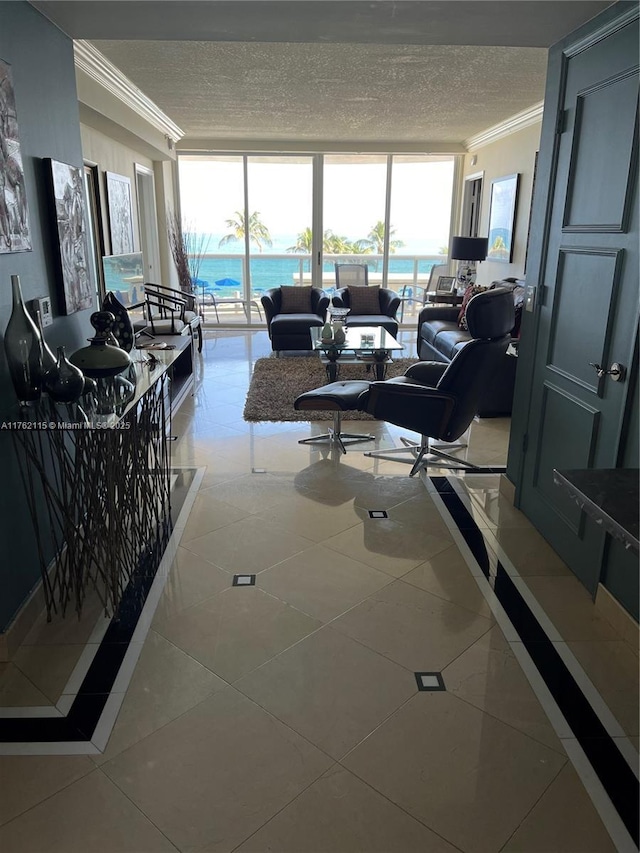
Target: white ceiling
372,72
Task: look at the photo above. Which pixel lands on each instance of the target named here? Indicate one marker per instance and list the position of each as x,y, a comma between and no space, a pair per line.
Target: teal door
584,259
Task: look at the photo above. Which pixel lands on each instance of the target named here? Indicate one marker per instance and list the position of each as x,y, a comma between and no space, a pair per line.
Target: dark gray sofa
440,337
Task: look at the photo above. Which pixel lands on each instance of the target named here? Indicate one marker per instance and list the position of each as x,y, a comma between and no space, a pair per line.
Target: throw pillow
364,300
471,291
295,300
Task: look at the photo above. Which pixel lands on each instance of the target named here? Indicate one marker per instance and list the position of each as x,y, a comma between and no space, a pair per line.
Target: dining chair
351,274
417,293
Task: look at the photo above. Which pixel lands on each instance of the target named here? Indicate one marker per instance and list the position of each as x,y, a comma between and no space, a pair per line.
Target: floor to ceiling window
258,225
212,202
353,212
280,220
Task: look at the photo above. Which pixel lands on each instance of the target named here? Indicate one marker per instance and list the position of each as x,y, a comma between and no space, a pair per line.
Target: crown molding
517,122
98,67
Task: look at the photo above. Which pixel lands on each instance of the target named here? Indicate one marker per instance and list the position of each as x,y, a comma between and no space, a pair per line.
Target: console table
444,298
99,493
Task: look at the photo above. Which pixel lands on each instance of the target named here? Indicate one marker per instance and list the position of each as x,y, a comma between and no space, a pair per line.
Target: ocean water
269,271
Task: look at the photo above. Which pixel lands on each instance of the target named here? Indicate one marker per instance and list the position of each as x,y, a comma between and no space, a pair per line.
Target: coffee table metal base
332,361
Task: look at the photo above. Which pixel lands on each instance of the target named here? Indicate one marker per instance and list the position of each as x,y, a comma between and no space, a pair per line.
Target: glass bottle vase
66,383
23,348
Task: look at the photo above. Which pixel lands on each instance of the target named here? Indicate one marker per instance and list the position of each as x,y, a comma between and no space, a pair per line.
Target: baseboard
507,488
615,614
24,620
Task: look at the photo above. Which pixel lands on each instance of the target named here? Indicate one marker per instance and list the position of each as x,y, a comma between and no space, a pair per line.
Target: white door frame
148,222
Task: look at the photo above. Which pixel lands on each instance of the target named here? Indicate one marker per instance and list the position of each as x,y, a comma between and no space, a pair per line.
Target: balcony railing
221,280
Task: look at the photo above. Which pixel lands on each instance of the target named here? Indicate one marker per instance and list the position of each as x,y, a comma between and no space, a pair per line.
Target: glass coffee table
369,345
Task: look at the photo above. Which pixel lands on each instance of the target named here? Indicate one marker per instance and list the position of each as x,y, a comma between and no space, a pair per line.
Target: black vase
66,383
49,361
122,328
23,348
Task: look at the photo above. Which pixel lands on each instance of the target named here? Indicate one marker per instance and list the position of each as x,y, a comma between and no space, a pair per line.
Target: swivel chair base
420,456
337,397
334,435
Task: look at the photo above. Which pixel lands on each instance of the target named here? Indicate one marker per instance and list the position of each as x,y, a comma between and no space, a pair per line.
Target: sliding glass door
212,204
280,221
355,188
257,224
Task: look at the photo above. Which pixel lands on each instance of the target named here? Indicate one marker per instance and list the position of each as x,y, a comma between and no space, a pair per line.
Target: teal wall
41,60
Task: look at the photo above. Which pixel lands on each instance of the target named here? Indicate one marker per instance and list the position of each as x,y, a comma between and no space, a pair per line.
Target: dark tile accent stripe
84,714
612,770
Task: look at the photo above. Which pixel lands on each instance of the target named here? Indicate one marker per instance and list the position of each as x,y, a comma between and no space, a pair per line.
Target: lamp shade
469,248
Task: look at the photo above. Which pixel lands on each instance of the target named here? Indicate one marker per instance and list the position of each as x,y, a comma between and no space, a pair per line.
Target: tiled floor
285,716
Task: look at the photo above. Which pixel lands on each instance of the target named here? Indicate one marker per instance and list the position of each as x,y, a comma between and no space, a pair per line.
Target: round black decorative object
122,328
100,359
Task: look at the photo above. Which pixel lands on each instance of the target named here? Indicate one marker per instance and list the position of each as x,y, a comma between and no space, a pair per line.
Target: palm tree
257,230
375,239
303,243
334,244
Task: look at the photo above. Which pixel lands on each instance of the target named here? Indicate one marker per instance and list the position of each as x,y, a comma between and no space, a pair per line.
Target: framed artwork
14,221
533,189
67,193
445,284
120,213
502,218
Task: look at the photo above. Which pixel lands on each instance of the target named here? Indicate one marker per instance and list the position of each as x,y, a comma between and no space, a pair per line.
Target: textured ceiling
342,92
414,71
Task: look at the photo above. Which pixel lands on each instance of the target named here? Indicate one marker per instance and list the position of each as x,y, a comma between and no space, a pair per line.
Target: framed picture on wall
533,189
14,221
446,284
120,213
67,201
502,218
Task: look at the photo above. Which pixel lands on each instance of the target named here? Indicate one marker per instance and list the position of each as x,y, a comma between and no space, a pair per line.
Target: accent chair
291,312
369,306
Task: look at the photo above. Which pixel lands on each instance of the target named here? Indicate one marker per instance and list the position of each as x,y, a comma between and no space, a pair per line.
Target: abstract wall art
67,193
14,220
120,213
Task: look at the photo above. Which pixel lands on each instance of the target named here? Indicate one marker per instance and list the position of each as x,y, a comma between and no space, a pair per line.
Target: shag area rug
276,382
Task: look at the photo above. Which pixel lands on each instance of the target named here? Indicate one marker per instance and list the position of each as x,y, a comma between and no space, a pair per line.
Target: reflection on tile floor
285,716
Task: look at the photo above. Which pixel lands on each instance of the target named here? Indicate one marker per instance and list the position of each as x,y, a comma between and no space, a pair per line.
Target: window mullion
317,260
387,222
247,231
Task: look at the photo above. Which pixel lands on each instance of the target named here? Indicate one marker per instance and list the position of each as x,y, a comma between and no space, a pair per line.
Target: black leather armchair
290,330
387,305
440,400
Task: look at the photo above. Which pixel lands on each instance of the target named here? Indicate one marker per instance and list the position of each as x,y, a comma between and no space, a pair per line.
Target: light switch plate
43,307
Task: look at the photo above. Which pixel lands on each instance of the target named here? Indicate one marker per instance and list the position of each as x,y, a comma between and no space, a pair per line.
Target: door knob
617,372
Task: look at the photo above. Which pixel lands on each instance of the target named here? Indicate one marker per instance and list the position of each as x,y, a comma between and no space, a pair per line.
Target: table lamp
468,250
